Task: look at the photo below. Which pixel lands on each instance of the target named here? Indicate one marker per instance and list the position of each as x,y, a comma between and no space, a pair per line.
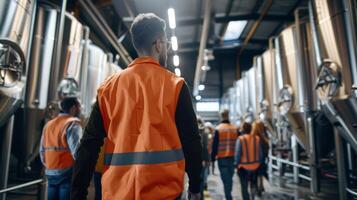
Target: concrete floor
275,189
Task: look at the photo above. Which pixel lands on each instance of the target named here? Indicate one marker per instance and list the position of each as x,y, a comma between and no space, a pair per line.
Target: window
212,106
234,30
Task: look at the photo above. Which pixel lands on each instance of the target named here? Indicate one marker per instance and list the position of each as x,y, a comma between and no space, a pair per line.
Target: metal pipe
6,140
203,41
341,170
107,31
295,151
350,25
52,93
315,183
305,177
255,26
22,186
351,191
32,26
123,53
312,19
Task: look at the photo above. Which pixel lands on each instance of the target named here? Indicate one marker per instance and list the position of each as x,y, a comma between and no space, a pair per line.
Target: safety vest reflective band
57,154
227,135
250,152
143,158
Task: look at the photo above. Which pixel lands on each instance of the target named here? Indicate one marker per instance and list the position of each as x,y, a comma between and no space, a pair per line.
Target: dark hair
145,29
68,103
224,114
246,128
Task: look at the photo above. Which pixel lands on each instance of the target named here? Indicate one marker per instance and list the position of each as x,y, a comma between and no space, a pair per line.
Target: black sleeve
187,127
214,146
88,151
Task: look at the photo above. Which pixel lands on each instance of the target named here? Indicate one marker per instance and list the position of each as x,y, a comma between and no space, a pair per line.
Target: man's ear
158,46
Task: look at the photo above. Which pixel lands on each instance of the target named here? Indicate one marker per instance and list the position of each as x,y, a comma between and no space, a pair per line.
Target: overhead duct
203,41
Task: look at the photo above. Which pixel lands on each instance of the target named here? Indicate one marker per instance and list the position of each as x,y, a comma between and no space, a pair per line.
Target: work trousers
59,187
247,177
226,169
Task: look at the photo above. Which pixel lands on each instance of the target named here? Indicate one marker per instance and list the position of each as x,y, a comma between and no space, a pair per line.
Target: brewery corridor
168,99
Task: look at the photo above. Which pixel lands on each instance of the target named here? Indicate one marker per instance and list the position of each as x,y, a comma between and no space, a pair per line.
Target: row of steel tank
303,84
31,83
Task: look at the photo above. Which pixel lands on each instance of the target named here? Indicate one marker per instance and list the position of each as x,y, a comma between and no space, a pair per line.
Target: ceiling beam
226,19
252,41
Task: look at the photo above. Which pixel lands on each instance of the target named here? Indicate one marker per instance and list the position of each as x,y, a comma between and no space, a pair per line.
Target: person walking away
248,158
245,128
224,141
210,131
205,154
259,130
59,142
146,115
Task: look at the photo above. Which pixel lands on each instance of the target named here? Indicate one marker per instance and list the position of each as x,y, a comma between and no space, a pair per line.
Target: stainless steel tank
336,72
296,70
293,98
97,62
71,57
238,85
267,65
37,84
251,76
15,23
233,115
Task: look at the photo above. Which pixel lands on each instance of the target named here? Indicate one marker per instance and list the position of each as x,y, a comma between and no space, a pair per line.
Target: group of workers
144,130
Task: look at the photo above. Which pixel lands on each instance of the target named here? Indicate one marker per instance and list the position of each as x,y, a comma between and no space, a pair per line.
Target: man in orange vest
146,114
59,142
248,158
223,146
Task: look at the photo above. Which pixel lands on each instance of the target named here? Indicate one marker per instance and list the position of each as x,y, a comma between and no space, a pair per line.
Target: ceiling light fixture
201,87
176,60
172,18
177,72
174,43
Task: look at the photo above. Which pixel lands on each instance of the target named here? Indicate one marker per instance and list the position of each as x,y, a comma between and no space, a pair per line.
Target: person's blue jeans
59,187
98,185
226,169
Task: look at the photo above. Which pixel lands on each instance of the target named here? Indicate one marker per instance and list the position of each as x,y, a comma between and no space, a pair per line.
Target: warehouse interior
289,63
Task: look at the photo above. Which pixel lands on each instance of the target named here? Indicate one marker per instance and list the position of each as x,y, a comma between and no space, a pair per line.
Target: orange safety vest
227,135
57,154
250,152
143,153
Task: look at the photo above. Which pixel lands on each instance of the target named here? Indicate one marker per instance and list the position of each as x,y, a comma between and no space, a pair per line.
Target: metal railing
24,185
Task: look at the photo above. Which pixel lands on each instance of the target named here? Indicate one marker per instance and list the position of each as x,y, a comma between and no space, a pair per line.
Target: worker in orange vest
223,146
248,158
146,114
59,143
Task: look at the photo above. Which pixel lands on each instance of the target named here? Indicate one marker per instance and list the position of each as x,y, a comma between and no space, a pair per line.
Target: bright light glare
234,29
177,72
174,43
172,18
198,97
176,60
207,106
201,87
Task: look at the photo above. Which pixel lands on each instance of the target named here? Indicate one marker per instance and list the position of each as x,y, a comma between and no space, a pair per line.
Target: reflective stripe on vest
57,154
227,135
143,148
143,158
250,152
